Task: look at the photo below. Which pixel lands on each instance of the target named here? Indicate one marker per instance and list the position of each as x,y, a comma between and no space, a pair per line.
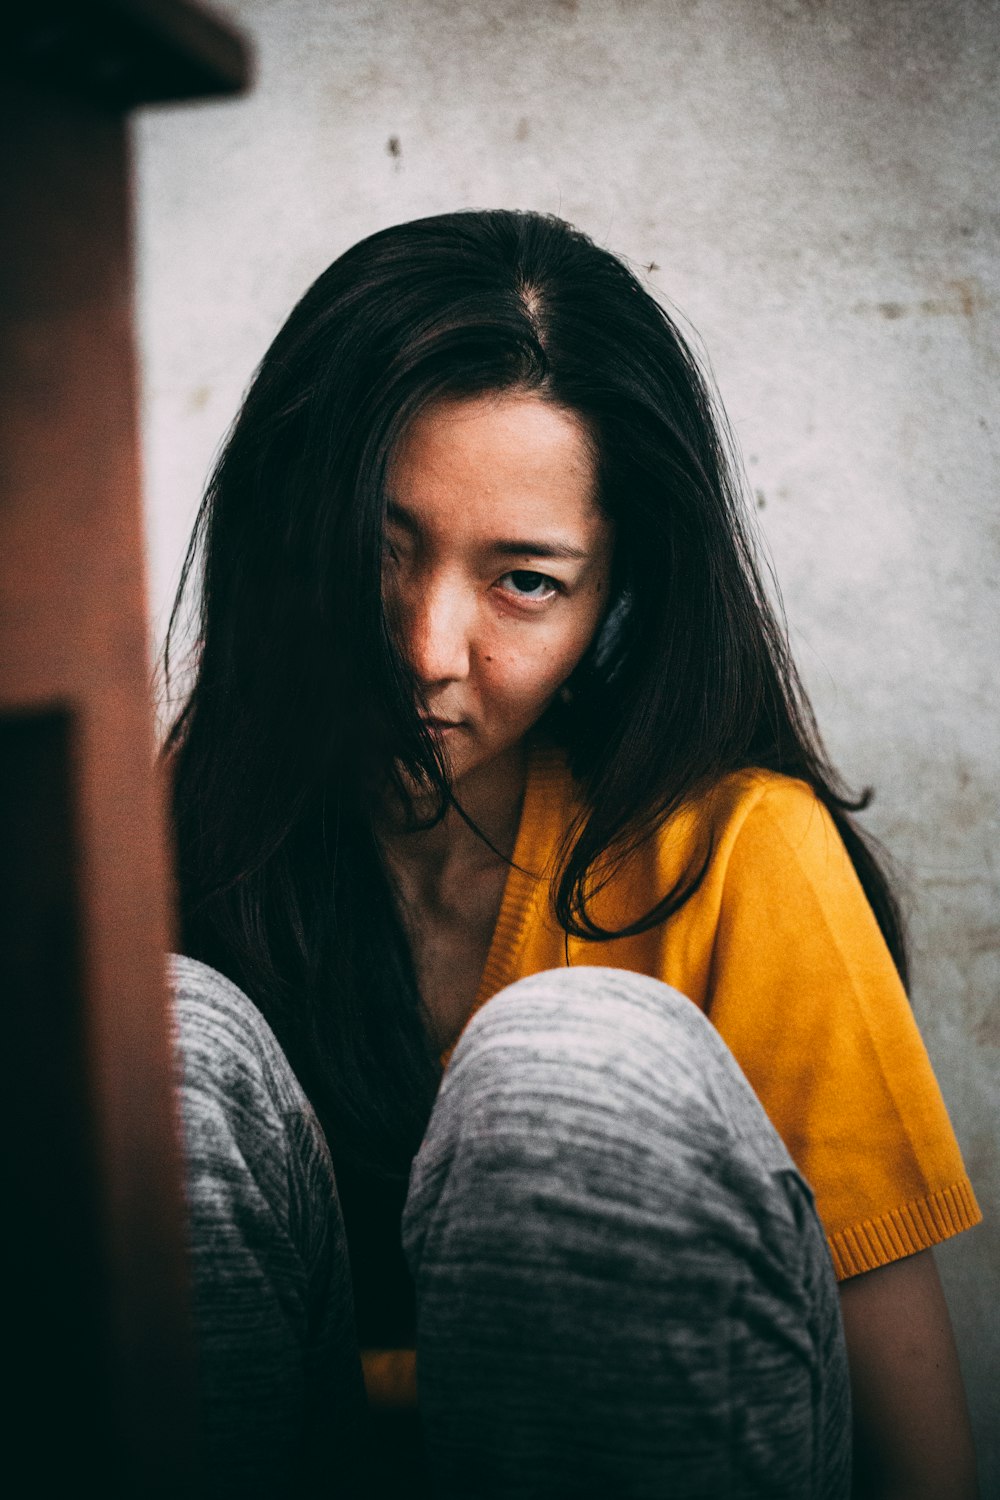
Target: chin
478,758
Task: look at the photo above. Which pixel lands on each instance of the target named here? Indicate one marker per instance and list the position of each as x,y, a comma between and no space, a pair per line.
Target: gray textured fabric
622,1285
281,1400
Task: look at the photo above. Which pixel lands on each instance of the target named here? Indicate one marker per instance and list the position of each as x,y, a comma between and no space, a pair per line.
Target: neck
491,798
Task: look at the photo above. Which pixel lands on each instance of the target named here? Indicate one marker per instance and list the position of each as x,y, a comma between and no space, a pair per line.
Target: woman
487,688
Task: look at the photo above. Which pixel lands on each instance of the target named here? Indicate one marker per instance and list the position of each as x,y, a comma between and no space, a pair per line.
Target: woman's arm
912,1438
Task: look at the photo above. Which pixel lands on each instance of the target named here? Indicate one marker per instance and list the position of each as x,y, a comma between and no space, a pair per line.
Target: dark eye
529,585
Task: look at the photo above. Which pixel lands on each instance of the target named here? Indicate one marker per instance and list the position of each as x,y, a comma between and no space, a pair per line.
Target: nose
438,625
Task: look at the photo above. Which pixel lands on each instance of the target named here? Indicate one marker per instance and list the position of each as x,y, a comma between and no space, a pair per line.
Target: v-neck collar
542,824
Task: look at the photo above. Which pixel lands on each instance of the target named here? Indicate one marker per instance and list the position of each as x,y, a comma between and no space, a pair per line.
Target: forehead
501,461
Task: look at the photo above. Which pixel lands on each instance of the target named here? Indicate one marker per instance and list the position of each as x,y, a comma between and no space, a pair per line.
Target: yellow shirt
782,952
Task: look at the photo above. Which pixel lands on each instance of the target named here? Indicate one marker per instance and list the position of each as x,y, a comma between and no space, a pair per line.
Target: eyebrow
502,547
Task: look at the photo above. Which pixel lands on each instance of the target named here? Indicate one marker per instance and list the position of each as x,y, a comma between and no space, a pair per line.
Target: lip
438,726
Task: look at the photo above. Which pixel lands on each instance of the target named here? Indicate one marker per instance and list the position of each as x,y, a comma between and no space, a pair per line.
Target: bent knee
632,1051
598,1092
588,1005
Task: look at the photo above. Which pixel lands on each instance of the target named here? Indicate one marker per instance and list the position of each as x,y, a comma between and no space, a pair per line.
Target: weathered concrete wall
815,185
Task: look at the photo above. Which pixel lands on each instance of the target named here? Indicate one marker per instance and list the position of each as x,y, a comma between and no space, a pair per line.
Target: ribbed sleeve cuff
904,1231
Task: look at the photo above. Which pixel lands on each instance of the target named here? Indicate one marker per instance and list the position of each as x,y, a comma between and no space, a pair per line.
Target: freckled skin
491,633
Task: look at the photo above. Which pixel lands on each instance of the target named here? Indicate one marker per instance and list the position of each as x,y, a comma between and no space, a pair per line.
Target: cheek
525,678
569,644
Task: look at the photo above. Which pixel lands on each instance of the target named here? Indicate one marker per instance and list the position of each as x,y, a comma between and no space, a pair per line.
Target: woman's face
497,565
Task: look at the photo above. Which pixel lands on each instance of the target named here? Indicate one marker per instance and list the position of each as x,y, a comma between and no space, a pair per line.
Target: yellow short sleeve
805,993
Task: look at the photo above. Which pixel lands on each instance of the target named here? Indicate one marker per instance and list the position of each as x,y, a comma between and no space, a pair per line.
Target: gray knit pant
622,1286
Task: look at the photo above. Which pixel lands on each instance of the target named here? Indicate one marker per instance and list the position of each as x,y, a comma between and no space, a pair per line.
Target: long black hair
303,708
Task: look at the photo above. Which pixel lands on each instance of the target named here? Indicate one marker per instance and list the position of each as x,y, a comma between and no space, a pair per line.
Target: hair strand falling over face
303,710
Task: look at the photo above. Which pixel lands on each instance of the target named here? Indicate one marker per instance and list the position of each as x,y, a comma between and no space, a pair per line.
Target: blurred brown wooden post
97,1350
